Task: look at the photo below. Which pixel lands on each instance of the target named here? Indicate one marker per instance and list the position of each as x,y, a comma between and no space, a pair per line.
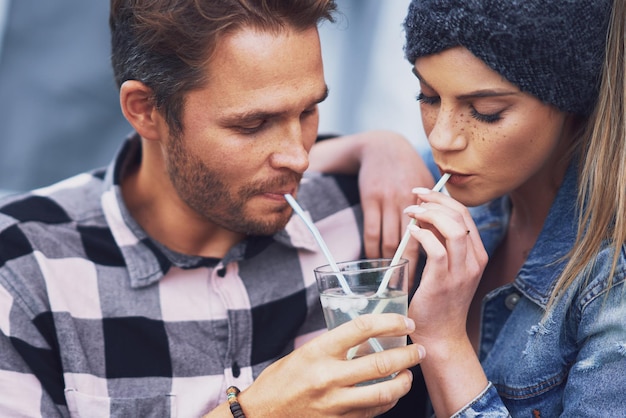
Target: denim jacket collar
537,277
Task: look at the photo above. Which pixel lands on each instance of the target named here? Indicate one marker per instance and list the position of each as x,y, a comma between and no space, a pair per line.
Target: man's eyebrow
255,115
472,95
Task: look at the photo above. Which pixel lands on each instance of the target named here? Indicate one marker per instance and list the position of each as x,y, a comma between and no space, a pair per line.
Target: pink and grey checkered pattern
97,319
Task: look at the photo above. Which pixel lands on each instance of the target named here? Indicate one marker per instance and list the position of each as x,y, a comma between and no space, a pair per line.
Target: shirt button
511,301
236,369
221,272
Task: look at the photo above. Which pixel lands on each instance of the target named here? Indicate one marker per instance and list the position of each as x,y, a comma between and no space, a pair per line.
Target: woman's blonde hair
602,191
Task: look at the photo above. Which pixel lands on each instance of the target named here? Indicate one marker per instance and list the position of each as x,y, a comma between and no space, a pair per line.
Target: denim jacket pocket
82,405
534,390
534,395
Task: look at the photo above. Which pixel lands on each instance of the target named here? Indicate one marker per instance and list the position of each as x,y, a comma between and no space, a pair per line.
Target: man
150,288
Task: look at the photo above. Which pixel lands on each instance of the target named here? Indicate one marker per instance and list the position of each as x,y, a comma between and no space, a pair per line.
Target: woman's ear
137,103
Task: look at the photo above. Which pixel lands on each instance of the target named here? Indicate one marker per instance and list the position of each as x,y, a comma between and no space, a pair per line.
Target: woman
512,108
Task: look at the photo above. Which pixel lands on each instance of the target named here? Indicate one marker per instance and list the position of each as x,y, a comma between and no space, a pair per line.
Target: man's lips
276,188
278,194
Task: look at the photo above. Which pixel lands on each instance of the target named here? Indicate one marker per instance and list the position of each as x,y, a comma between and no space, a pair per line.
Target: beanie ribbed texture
552,49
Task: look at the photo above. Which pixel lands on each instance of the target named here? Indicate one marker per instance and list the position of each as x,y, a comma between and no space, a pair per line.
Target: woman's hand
456,259
455,262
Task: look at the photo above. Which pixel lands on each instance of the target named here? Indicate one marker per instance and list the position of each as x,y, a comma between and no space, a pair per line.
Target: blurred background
59,107
371,83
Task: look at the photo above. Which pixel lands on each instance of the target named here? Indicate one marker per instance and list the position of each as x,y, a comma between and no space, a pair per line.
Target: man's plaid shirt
97,319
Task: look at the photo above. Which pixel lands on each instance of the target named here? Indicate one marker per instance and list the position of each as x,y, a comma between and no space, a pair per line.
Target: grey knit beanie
552,49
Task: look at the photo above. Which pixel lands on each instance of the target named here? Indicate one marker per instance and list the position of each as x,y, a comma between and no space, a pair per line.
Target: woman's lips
456,178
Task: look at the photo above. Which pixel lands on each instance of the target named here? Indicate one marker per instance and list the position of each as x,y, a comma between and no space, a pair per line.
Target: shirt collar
147,261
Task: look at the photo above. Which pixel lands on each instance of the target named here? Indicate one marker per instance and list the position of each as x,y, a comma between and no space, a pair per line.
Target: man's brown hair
165,44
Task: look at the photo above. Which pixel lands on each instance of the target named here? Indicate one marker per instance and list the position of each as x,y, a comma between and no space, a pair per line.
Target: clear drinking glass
364,278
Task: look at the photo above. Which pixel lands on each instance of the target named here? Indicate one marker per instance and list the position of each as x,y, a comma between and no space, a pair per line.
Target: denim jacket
568,361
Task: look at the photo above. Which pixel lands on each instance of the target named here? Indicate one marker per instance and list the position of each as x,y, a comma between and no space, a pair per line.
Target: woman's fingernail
415,209
421,190
413,227
422,351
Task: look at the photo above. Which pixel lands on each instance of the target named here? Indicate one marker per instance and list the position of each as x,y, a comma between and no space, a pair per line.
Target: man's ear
136,101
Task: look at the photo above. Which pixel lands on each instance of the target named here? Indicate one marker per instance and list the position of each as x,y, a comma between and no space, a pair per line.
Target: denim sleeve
597,382
486,404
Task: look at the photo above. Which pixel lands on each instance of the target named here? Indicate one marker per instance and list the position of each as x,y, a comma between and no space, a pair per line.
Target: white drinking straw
405,240
320,241
342,280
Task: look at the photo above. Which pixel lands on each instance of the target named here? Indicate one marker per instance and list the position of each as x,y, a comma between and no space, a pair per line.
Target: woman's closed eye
480,116
486,117
429,100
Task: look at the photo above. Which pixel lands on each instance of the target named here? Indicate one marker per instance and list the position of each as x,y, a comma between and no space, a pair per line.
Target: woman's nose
449,131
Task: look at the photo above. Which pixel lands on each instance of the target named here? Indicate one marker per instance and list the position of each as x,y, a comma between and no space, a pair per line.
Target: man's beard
202,189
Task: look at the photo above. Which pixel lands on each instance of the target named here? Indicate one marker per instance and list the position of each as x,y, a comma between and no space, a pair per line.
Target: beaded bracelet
235,408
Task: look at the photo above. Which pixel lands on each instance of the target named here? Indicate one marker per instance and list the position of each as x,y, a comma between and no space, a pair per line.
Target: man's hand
316,380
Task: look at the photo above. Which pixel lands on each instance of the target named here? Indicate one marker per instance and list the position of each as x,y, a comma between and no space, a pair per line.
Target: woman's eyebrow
474,94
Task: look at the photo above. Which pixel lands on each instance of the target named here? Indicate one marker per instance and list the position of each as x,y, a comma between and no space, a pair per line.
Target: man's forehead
267,63
259,41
